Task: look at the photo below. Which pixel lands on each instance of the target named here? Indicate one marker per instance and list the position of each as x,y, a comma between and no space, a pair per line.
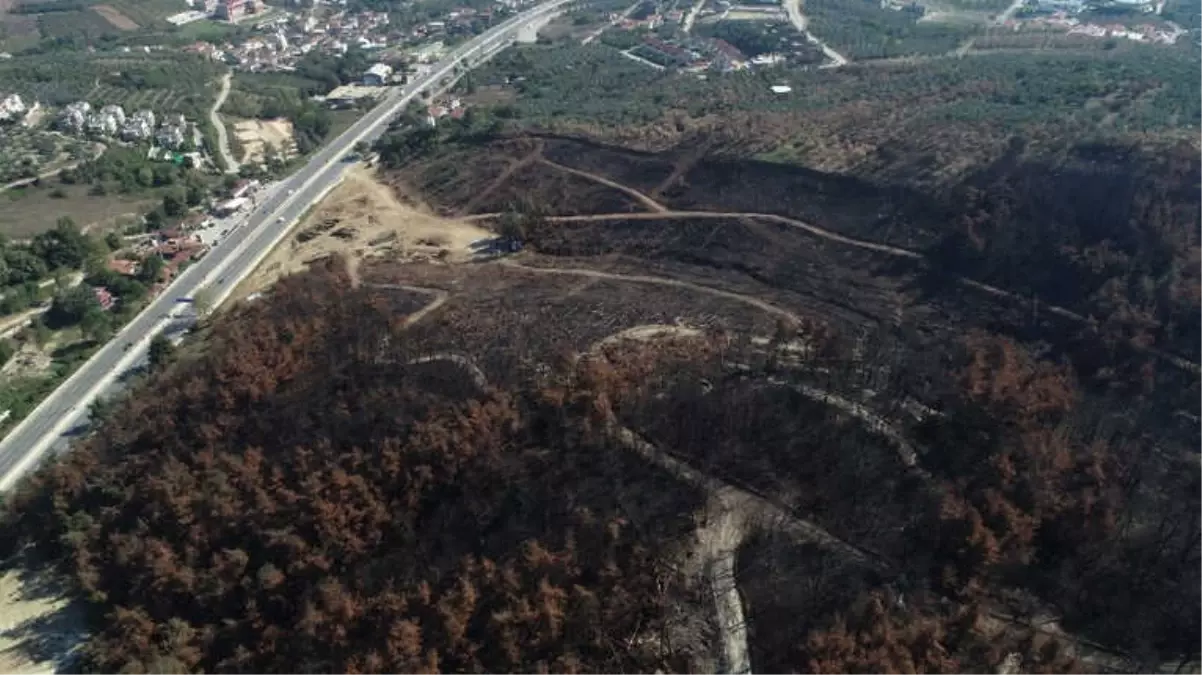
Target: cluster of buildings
1147,32
279,43
174,247
453,109
1141,33
696,54
1078,6
111,121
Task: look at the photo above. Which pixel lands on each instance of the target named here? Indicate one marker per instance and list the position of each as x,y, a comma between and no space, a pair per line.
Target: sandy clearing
255,136
28,361
363,218
115,17
39,629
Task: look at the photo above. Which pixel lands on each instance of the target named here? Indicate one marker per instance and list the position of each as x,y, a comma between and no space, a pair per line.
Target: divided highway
233,258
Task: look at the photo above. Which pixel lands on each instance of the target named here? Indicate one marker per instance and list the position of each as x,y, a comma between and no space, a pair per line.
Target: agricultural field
81,23
163,82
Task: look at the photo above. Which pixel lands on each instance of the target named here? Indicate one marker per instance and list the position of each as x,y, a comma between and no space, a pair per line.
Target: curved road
801,23
223,141
231,260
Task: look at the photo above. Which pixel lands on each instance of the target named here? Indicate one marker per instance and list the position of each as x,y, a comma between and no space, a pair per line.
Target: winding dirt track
530,158
660,212
661,281
440,299
644,199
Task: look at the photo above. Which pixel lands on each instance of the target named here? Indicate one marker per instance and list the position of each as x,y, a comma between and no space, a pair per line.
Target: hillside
716,414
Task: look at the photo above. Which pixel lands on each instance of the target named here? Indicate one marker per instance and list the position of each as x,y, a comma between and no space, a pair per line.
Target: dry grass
255,136
364,218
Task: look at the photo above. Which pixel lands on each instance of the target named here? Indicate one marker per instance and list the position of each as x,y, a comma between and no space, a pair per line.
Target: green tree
97,325
99,410
71,307
152,268
194,195
113,241
160,352
173,204
202,300
64,247
23,265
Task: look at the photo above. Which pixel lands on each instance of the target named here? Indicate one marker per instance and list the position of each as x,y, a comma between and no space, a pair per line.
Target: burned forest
685,412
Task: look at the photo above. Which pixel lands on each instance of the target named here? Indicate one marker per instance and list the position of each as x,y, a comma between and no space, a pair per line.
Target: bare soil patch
115,17
29,360
256,136
39,627
363,218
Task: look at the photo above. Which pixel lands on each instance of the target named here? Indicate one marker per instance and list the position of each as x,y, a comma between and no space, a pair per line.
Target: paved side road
230,261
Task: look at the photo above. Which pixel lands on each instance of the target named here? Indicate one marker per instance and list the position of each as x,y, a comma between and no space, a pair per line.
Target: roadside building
378,75
230,206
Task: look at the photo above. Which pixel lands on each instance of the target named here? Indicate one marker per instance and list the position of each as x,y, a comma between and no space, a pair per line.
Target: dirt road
223,141
642,198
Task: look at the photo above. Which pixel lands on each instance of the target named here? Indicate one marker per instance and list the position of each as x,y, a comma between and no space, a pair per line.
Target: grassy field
25,212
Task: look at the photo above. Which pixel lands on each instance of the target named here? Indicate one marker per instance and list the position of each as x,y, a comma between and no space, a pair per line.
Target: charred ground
702,377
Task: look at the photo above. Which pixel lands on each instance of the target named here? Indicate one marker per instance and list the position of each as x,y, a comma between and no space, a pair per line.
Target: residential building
75,115
114,111
139,126
102,124
104,297
170,137
378,75
232,10
12,108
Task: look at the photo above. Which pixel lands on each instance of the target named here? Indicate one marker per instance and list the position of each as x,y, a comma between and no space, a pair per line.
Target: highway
232,259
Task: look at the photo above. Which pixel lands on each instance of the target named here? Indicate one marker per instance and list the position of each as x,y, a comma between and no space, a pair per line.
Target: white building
12,107
75,115
138,127
116,112
102,124
378,75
